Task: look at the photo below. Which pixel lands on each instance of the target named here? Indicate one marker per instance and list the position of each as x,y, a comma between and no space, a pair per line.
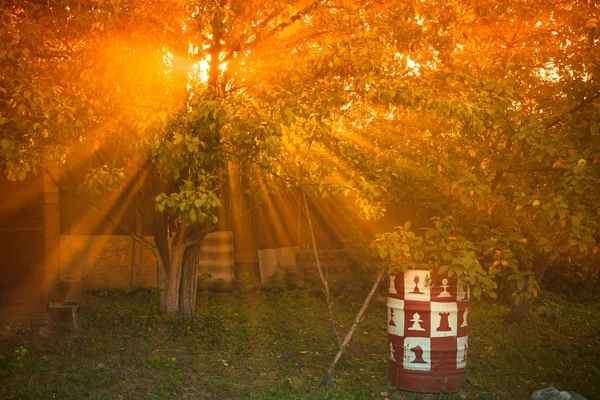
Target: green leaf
383,252
419,254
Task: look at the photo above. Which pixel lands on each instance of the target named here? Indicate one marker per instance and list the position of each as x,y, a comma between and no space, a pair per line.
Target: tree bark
189,281
519,312
174,274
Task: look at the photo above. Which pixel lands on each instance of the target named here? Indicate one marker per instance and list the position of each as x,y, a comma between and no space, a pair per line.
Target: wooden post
357,320
136,256
321,276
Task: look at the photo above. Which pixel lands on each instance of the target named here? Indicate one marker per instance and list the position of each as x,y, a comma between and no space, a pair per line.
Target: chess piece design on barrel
416,320
444,324
445,286
418,350
416,289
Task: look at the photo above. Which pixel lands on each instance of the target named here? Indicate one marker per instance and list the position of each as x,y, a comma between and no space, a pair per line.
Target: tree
486,112
495,123
126,86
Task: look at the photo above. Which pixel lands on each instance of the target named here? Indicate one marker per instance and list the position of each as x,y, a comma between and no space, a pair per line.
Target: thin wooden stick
357,320
323,279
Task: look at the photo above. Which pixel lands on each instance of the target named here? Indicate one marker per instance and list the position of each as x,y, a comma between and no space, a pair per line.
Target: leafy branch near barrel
442,248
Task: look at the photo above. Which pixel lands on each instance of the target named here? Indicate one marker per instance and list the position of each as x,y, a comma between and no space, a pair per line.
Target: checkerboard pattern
427,330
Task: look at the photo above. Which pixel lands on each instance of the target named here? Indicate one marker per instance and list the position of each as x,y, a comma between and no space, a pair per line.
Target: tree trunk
520,312
540,266
189,281
174,274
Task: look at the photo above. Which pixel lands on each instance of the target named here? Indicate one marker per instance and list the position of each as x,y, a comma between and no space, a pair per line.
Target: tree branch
134,236
275,30
584,103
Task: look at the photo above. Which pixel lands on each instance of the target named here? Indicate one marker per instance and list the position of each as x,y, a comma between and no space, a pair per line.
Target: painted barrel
427,332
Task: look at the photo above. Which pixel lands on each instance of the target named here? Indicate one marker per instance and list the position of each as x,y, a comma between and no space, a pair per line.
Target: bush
573,279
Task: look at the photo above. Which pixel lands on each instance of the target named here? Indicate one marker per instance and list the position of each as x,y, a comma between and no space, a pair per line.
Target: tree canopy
483,111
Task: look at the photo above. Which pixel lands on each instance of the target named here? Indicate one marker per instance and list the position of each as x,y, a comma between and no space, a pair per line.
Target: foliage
10,365
574,279
193,204
487,114
442,249
490,116
100,180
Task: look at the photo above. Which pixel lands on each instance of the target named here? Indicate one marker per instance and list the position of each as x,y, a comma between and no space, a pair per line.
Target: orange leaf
472,153
523,240
596,250
490,209
518,208
496,263
572,152
562,223
505,263
535,292
452,238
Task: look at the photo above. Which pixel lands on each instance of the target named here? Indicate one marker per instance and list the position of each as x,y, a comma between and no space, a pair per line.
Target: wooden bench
71,300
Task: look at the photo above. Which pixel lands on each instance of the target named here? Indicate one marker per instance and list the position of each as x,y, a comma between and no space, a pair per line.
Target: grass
257,344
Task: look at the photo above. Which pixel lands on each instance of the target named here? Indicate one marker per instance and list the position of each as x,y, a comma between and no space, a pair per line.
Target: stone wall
106,261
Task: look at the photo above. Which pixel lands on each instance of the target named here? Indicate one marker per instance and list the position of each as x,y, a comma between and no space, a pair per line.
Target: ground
252,343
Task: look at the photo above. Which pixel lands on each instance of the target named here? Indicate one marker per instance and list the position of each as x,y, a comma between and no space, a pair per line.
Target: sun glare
200,69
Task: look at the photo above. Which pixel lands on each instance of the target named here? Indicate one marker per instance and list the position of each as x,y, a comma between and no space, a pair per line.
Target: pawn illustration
418,350
416,320
392,352
465,315
416,289
392,285
465,293
465,354
445,286
444,324
392,323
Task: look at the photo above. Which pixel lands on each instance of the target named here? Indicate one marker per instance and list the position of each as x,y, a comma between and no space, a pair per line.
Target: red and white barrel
428,329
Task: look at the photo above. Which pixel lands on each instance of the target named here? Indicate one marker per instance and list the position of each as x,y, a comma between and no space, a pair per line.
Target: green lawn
257,344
